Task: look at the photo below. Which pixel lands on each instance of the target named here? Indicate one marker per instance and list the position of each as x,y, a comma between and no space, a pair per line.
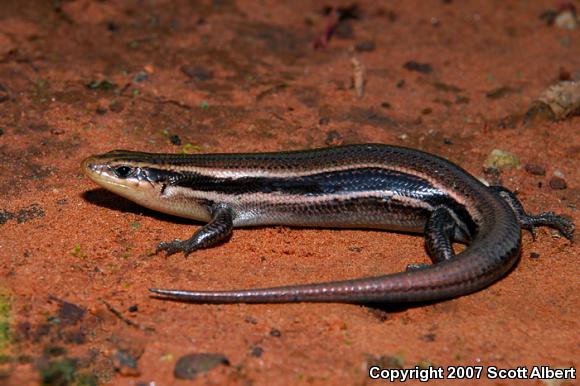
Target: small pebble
537,113
125,363
386,105
557,102
564,74
174,139
535,169
140,77
549,16
501,159
250,319
423,68
111,26
429,337
566,20
133,308
190,365
558,183
275,333
256,351
534,255
70,314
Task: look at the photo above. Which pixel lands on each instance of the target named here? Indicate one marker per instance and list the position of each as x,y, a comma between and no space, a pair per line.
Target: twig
128,322
358,77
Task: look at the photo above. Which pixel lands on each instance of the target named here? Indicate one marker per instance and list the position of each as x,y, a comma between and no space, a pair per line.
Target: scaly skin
373,186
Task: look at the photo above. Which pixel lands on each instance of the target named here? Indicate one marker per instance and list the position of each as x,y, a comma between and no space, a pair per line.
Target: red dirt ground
84,77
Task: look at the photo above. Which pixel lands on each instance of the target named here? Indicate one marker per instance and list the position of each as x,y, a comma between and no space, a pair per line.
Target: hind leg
530,222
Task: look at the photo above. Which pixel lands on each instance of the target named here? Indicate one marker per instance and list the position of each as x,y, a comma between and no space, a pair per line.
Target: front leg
218,229
529,222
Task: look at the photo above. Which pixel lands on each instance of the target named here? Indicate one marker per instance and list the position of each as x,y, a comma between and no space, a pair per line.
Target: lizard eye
124,171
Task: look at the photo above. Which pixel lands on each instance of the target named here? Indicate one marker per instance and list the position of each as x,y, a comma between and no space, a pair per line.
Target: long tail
464,274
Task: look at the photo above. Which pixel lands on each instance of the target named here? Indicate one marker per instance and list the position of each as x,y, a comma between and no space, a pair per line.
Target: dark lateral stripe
336,182
343,183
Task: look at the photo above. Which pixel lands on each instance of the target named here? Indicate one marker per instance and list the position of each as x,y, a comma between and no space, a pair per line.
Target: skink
358,186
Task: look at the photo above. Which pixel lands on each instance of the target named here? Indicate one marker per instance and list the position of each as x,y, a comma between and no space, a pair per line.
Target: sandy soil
449,77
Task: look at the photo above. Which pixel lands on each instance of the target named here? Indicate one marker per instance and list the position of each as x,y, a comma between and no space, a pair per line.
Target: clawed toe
170,247
187,249
175,246
561,224
416,267
532,229
566,228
